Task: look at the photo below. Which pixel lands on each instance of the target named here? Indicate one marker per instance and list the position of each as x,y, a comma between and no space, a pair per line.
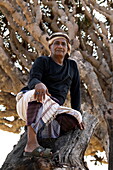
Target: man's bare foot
31,147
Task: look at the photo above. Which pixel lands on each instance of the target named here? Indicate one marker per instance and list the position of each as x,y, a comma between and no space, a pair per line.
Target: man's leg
27,109
32,111
32,142
32,147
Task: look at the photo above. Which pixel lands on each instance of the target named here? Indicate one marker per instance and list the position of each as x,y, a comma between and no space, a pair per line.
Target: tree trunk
68,150
109,120
110,166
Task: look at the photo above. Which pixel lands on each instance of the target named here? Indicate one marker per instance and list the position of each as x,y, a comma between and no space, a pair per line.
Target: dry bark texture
24,26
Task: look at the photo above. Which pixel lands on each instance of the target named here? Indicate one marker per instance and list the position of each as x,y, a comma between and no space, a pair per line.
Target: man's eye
56,43
63,44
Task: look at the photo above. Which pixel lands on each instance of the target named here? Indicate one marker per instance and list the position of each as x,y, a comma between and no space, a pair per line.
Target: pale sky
8,140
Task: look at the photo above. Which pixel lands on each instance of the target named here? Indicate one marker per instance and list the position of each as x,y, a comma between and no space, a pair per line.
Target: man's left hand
81,126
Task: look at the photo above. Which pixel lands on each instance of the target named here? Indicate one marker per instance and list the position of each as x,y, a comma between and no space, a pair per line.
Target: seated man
40,104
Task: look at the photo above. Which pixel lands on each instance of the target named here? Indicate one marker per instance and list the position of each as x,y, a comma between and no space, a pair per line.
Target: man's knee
67,122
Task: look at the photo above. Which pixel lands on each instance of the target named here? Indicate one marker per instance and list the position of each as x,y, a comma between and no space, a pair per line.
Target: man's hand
40,91
81,126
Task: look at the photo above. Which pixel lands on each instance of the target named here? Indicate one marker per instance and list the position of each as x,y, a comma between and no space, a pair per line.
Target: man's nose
60,45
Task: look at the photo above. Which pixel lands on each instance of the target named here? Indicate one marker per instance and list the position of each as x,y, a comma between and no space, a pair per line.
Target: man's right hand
40,92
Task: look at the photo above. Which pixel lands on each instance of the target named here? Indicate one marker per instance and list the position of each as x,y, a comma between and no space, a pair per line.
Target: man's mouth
59,50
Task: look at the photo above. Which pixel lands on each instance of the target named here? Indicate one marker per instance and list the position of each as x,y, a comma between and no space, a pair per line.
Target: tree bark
109,120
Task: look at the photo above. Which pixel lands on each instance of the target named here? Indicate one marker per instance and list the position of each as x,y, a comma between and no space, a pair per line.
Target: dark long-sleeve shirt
58,79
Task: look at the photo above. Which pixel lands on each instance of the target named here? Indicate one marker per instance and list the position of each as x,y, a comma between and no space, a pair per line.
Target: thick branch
8,100
26,11
90,78
10,70
8,113
14,126
101,66
19,50
77,143
5,81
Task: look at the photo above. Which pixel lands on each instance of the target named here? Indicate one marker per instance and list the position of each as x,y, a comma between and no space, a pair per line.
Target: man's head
59,44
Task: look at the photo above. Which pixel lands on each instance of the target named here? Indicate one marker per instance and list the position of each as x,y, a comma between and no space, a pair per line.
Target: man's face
59,47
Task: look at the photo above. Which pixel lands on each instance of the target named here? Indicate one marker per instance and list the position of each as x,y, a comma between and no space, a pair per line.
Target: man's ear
49,46
49,49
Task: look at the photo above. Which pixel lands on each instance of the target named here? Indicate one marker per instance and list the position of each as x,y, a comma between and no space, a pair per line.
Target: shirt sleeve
75,89
36,73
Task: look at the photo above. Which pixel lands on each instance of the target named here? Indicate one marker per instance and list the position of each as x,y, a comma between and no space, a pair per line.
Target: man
50,80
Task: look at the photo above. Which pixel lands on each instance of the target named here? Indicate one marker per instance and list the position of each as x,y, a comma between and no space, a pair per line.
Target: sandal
39,152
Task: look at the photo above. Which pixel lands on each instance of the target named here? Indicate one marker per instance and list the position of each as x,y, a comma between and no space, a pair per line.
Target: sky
8,140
